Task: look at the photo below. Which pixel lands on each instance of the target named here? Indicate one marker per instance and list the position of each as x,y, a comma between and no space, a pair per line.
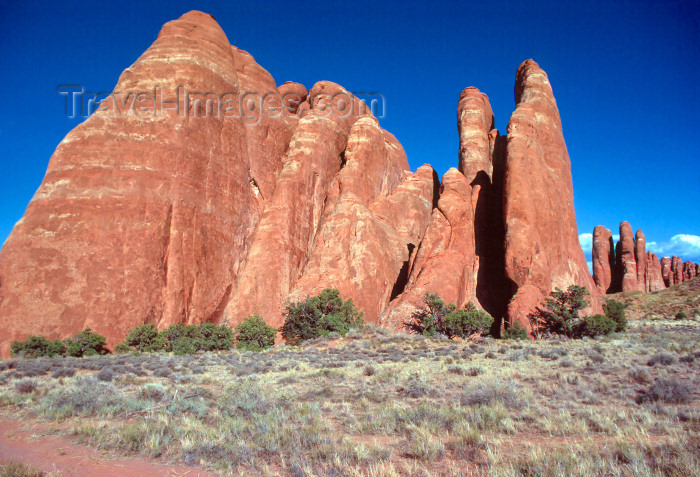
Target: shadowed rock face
541,240
215,211
603,256
640,256
444,262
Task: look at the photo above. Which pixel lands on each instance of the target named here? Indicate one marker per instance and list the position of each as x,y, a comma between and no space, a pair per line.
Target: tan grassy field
382,404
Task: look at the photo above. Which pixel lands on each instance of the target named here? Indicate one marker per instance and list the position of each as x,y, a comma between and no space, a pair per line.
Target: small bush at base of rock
86,343
516,331
36,347
253,334
616,312
318,316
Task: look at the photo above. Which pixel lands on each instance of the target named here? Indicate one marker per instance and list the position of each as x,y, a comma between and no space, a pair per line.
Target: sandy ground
31,444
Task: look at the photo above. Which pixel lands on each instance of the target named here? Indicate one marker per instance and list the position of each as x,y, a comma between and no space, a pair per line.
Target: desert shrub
516,331
175,336
423,445
143,338
86,343
664,359
640,375
681,316
467,322
668,391
63,373
162,372
318,316
86,396
416,386
154,391
487,393
122,348
616,312
440,319
196,369
30,369
26,386
596,325
213,337
106,375
475,371
9,468
245,398
7,365
253,334
431,320
183,339
36,347
560,313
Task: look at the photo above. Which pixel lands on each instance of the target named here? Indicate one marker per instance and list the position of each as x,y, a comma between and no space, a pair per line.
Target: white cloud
586,241
686,246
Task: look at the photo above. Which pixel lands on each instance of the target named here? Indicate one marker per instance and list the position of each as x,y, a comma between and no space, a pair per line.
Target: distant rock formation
632,267
216,206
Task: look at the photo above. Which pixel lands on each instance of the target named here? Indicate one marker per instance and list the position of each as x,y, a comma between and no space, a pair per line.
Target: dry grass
381,404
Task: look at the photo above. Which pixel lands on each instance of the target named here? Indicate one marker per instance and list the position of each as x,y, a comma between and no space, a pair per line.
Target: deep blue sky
626,76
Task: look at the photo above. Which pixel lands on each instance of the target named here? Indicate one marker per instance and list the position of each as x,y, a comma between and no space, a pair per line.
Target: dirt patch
31,444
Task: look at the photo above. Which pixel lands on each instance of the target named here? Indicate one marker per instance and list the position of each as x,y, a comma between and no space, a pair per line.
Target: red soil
30,443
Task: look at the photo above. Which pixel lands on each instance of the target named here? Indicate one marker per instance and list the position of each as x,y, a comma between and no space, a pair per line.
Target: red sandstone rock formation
640,256
293,95
460,256
653,277
603,259
279,248
666,271
445,261
376,213
218,210
145,217
541,246
688,270
677,270
625,259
